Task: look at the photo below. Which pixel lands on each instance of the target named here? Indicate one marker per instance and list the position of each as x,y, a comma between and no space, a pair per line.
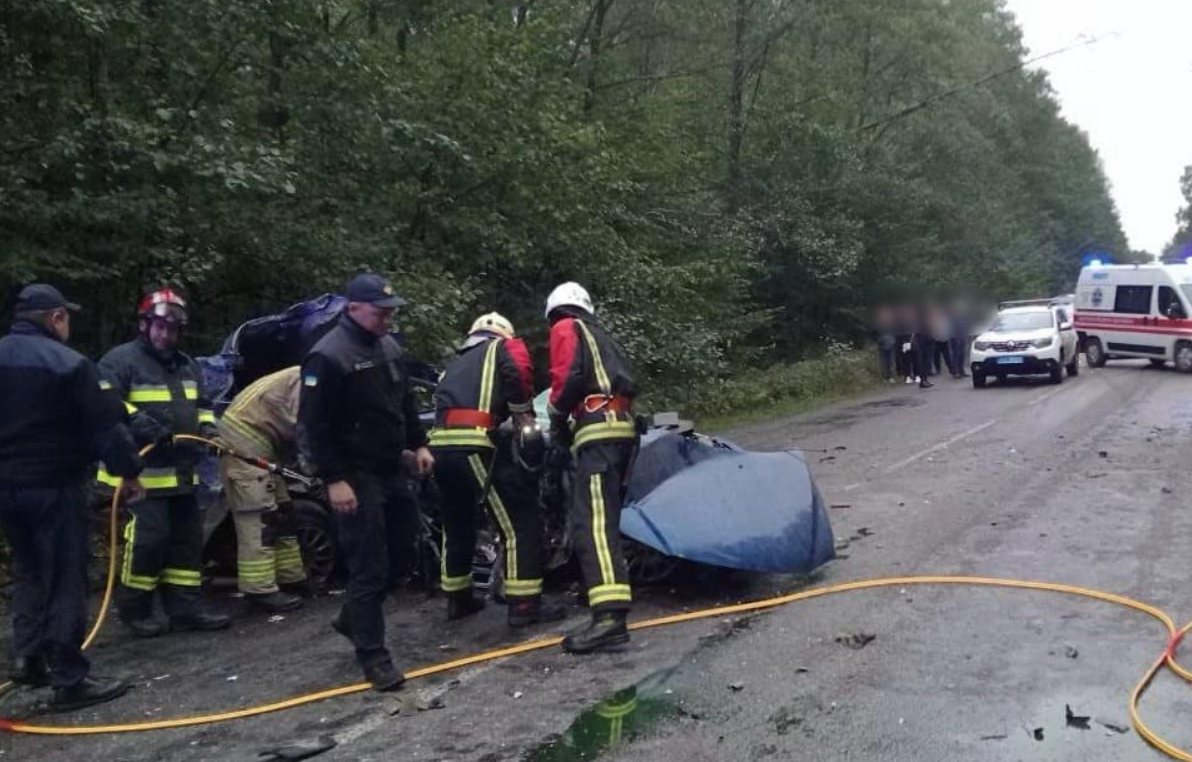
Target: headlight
1042,343
981,346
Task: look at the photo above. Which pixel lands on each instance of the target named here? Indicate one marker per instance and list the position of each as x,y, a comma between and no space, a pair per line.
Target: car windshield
1022,321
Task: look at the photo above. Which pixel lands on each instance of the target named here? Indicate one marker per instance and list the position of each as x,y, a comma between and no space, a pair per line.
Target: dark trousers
907,362
959,349
163,549
512,502
365,537
943,357
47,529
596,493
885,361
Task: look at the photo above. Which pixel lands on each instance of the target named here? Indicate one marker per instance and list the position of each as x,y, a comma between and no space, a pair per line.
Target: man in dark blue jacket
55,423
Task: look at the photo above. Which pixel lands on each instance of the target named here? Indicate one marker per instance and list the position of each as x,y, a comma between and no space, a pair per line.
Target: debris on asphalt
1075,720
839,448
518,694
842,544
336,592
1103,453
827,458
1071,652
299,751
802,670
865,532
994,737
856,640
1116,727
1166,490
1037,734
839,506
160,677
447,647
423,705
276,618
232,678
736,687
1095,474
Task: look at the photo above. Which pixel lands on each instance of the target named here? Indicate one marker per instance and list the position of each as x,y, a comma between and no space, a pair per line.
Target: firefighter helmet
164,304
493,322
569,294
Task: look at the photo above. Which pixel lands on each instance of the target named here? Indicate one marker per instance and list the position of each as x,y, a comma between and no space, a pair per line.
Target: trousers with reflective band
512,504
163,548
596,497
153,479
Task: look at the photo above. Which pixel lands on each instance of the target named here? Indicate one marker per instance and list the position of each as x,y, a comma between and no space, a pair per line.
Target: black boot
925,384
144,627
462,603
384,676
32,671
274,603
87,692
202,622
524,612
303,588
605,630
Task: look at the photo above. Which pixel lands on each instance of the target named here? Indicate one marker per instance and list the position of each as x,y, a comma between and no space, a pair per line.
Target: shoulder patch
105,385
310,380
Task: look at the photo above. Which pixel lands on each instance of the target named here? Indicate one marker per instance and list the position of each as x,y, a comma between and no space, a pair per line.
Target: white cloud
1131,92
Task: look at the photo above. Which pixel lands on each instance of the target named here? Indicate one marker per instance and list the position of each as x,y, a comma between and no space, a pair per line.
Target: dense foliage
733,179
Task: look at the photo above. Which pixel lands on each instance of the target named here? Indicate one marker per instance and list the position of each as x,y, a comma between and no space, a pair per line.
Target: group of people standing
349,411
918,341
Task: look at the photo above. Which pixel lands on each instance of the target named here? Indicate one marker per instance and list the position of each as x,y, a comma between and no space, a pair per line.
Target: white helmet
493,322
569,294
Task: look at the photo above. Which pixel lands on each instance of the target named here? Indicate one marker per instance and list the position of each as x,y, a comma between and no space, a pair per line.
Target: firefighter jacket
481,388
591,381
55,420
357,410
266,413
164,397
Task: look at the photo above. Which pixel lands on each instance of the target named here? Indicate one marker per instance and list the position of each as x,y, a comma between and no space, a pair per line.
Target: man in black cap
55,422
357,414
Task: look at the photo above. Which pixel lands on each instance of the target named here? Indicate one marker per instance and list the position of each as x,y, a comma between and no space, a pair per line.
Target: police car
1136,311
1026,339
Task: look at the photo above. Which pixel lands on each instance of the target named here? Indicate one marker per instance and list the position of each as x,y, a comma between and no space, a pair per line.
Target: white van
1135,311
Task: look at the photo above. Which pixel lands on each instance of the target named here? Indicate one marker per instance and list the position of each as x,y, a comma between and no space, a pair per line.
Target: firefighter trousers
601,469
512,501
267,549
163,548
47,529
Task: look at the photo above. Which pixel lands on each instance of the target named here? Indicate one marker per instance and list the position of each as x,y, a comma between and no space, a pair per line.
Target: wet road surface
1084,483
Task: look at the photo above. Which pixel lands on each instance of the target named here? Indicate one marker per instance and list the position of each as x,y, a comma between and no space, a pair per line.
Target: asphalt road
1082,483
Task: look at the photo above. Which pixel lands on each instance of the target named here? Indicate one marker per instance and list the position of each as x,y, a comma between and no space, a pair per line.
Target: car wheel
978,380
1057,374
646,565
1074,366
316,538
1183,357
1094,353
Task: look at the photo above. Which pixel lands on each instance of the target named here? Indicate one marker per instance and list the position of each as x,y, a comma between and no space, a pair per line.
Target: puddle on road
618,720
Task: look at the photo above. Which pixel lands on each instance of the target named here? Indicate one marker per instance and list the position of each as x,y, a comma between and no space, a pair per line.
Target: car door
1139,336
1067,332
1172,317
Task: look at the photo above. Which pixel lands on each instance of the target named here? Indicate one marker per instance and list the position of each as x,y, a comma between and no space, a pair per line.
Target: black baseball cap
40,297
373,289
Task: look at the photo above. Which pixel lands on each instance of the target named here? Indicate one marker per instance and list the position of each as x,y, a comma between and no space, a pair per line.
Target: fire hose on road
1166,659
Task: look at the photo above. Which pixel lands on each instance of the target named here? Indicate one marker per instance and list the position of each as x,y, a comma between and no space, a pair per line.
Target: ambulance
1135,311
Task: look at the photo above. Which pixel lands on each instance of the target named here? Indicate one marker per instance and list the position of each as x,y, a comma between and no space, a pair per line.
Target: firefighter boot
143,627
87,692
202,622
605,630
384,676
524,612
462,603
274,603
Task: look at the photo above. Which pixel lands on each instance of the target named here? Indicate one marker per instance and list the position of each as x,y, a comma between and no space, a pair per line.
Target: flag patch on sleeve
310,381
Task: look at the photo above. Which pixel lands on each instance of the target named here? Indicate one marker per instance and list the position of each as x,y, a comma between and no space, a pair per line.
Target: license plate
1009,361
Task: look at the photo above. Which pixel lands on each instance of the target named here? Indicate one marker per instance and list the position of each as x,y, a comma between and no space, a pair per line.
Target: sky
1131,92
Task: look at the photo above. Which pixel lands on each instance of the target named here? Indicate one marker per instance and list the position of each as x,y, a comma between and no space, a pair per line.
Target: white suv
1037,339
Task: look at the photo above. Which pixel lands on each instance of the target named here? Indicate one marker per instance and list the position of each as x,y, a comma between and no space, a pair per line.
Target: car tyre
315,528
1183,357
1074,366
1094,353
1057,374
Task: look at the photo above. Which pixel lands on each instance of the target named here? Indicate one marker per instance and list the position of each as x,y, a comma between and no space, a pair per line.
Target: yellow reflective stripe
103,477
190,389
602,381
181,577
473,437
608,593
603,430
150,393
105,385
150,478
127,578
498,509
130,408
488,376
206,416
599,536
455,584
523,587
240,427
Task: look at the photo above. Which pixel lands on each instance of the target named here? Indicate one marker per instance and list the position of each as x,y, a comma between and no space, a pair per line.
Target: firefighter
358,413
162,390
55,422
491,381
591,413
262,423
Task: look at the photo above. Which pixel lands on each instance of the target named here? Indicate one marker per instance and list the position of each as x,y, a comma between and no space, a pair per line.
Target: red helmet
164,304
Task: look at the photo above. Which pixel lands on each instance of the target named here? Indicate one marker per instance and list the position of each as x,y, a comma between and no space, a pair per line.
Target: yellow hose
1167,659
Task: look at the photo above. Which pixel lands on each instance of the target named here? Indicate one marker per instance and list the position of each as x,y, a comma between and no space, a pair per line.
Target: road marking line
938,447
1046,395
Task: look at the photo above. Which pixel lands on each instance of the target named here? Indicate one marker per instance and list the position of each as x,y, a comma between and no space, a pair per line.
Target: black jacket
164,397
357,409
55,420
